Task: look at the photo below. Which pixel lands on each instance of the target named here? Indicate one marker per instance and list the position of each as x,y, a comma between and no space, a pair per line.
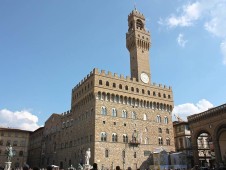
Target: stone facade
19,140
120,118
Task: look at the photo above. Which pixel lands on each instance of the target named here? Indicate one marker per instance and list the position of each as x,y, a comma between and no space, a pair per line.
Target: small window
137,90
169,97
103,122
166,120
142,91
106,153
132,89
149,93
158,119
134,116
167,131
164,95
154,94
114,85
107,83
125,138
124,124
159,94
168,141
114,123
126,87
160,130
135,155
100,82
120,86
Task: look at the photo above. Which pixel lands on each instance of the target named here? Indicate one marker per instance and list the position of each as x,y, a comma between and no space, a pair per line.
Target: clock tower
138,44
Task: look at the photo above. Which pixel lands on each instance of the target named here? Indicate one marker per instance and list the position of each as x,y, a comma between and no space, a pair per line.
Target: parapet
66,113
136,13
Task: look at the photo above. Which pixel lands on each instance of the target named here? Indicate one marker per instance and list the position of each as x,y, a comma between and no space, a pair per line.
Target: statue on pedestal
87,156
9,152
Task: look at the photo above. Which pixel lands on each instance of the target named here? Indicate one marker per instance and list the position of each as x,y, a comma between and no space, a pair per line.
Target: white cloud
18,119
188,109
190,13
209,12
181,41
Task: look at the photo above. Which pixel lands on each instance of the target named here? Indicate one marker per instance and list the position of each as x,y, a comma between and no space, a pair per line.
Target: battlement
137,13
126,78
83,80
66,113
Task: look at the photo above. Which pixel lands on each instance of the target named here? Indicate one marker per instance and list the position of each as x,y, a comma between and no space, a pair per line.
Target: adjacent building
182,139
121,119
19,140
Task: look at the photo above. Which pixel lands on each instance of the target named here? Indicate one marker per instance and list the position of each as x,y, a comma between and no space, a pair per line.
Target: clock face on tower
144,78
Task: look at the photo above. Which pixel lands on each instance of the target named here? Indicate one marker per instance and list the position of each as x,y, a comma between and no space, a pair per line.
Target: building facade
121,119
182,139
35,147
19,140
208,135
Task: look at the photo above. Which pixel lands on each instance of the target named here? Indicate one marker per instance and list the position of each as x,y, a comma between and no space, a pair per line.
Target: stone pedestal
8,165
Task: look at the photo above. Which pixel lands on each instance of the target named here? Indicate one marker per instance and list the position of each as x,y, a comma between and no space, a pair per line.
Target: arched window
123,153
159,94
114,85
167,131
120,86
124,114
103,110
139,24
134,115
132,89
106,153
125,138
145,117
149,92
103,136
107,83
126,87
160,141
160,130
167,141
114,137
100,82
158,119
154,94
166,120
114,112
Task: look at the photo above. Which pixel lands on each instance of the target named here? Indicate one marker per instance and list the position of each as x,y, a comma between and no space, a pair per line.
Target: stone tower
138,44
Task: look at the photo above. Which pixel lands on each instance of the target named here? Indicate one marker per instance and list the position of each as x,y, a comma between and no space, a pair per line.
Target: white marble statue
87,156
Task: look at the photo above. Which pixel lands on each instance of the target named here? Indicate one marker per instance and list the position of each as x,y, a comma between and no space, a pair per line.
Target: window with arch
126,88
160,141
124,114
103,110
154,94
158,119
132,89
114,112
125,138
164,95
159,94
169,97
137,90
106,153
166,121
139,24
114,85
100,82
134,115
160,130
145,116
103,136
149,92
114,137
167,131
168,141
120,86
143,91
107,83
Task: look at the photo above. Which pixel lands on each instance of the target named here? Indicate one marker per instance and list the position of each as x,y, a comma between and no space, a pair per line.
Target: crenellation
109,73
160,85
115,75
103,72
122,76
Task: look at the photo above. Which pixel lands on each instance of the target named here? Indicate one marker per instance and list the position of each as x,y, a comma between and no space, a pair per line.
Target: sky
48,46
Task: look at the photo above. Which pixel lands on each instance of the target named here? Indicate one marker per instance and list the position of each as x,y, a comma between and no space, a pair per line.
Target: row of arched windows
133,102
137,90
114,138
133,115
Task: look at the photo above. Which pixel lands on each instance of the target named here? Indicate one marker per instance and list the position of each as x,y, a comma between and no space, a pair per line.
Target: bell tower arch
138,43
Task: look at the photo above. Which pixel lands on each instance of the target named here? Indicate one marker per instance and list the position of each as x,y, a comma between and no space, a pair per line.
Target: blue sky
48,46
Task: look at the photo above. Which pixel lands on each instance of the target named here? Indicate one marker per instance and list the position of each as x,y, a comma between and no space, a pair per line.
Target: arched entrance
221,138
